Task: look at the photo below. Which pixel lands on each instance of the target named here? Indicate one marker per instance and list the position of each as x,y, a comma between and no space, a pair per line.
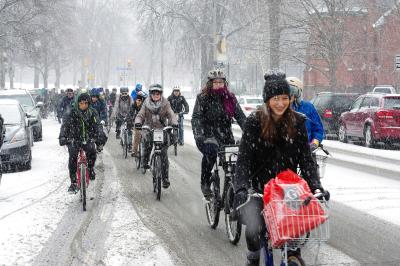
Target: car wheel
342,133
28,164
368,138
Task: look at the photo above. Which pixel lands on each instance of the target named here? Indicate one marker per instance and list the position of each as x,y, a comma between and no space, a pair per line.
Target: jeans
73,150
207,162
180,124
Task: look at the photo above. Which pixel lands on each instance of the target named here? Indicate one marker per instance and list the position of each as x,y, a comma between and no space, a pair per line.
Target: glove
138,125
314,144
63,141
99,148
326,194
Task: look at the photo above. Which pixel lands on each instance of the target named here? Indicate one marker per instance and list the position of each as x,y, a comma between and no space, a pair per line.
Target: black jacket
82,126
65,106
178,104
259,161
209,119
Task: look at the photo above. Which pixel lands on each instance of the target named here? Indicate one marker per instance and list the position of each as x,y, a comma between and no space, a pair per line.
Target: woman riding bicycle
212,119
156,113
121,110
133,111
274,139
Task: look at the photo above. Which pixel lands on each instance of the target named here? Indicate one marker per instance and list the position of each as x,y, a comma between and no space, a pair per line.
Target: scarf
229,100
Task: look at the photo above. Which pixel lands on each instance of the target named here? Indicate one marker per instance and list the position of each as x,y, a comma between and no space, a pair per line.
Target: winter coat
134,110
209,119
156,116
121,108
101,108
112,98
82,126
259,160
314,125
65,106
178,104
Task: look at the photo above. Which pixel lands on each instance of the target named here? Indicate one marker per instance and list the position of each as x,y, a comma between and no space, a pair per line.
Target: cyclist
111,101
98,104
212,118
121,110
134,110
156,113
180,107
315,128
138,90
65,104
276,140
81,125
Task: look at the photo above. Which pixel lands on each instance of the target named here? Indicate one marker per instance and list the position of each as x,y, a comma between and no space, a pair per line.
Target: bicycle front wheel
233,227
212,204
157,176
138,157
83,172
125,147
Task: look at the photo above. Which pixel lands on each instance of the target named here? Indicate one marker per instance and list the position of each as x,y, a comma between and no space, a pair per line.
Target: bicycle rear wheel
157,176
233,227
83,173
212,204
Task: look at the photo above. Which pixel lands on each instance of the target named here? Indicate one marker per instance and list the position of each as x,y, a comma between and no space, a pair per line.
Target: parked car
16,149
384,89
330,106
372,118
29,106
249,103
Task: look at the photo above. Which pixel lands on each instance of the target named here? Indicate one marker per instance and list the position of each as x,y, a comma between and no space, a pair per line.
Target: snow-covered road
37,215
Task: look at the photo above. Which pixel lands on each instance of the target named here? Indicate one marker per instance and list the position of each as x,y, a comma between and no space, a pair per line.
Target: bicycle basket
294,222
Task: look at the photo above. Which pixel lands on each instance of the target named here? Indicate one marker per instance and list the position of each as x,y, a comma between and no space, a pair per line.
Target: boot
72,188
118,133
165,182
253,258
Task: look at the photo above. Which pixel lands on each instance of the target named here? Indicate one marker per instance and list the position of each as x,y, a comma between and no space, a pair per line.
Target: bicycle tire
125,151
157,176
83,173
233,228
138,157
212,205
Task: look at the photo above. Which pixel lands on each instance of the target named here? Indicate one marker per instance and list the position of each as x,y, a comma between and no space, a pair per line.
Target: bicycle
317,235
138,157
126,139
227,159
82,171
160,138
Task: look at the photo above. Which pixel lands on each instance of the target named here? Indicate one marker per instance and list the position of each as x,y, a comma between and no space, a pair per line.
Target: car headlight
19,136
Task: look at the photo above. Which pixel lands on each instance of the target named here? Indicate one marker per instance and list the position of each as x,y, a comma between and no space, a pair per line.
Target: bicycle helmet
176,88
124,91
296,87
155,87
216,74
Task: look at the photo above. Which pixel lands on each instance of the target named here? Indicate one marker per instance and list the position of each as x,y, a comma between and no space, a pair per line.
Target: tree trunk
46,71
58,73
2,72
36,75
162,58
11,74
275,32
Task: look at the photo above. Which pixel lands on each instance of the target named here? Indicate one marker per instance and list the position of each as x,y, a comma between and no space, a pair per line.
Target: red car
372,118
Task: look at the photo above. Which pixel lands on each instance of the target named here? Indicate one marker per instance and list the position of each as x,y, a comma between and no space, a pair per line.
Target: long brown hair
269,127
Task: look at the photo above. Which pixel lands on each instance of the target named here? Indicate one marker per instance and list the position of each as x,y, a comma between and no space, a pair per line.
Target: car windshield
392,103
343,101
10,114
384,90
254,101
24,99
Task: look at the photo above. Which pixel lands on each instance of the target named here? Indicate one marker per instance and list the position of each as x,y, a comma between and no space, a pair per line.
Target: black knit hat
275,84
84,97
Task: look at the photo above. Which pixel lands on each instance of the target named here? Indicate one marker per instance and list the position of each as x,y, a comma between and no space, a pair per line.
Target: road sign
397,63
